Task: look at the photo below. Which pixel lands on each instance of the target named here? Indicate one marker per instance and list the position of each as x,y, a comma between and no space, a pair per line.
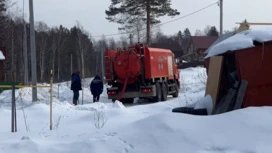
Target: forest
66,50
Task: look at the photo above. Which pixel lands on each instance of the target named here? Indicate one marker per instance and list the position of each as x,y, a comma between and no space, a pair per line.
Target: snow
144,128
2,57
206,102
240,41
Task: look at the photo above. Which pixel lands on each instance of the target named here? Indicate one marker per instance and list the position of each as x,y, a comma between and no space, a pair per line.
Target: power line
199,10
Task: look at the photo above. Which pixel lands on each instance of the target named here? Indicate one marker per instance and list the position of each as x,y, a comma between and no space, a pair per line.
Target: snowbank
145,128
240,41
242,131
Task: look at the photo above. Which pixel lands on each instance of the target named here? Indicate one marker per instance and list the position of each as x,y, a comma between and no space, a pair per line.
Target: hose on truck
123,90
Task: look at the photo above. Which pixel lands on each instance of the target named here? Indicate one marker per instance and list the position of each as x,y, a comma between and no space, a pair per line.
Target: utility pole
221,17
33,52
130,39
25,49
102,63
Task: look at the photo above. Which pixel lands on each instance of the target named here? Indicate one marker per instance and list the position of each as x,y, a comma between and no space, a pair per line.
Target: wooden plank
230,97
241,95
214,77
227,101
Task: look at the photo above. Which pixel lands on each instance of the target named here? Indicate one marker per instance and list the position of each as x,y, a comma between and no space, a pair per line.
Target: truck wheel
164,92
158,96
177,91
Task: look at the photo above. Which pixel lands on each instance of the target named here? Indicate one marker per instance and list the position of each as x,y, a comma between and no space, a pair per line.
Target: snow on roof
240,41
2,57
220,39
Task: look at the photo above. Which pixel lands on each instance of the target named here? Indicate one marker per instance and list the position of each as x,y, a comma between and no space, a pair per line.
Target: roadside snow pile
205,102
106,127
193,79
242,131
242,40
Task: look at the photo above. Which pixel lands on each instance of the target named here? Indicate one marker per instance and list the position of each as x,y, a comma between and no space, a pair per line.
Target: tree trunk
25,56
81,62
41,65
12,49
58,67
54,53
148,22
138,32
83,66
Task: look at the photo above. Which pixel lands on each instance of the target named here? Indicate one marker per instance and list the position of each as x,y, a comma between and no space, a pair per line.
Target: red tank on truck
141,72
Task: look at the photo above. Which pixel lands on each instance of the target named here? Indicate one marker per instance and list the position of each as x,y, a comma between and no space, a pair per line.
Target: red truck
141,72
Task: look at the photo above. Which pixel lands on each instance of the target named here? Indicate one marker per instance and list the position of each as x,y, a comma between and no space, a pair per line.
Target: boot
74,102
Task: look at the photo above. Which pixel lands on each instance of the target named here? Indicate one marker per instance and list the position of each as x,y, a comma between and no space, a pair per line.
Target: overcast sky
91,14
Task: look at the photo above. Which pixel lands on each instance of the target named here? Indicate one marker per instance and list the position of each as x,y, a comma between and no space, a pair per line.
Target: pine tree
213,31
126,12
179,35
187,33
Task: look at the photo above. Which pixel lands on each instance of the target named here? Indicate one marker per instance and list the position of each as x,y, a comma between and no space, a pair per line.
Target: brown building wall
254,65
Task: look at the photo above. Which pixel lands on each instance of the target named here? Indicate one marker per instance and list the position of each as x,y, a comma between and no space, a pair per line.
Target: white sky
91,14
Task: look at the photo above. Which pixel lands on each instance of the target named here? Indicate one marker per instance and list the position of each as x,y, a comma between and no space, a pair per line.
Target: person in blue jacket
96,88
75,86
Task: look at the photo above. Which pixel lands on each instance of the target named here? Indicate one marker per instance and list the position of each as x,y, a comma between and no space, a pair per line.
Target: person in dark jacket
75,86
96,88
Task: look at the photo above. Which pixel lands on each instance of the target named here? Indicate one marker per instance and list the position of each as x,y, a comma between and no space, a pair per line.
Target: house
243,57
195,49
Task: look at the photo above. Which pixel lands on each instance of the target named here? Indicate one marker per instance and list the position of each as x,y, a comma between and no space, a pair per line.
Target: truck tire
177,91
164,91
158,96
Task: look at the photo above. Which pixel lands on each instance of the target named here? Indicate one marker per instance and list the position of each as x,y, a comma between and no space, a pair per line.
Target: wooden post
51,98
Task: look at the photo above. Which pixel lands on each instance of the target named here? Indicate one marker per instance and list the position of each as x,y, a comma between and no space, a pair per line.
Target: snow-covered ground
146,128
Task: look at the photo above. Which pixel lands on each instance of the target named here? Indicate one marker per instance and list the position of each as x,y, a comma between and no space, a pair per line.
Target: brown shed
248,59
254,65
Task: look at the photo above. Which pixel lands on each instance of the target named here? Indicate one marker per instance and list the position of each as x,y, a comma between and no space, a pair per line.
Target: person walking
75,86
96,88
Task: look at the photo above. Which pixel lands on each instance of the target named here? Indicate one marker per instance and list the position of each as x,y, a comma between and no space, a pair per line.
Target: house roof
241,40
203,42
173,46
223,37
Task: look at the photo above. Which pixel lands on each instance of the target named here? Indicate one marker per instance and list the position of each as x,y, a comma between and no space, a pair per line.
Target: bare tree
207,30
199,33
99,119
112,44
42,41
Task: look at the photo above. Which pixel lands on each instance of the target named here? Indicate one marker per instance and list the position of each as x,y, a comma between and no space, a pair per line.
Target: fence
13,85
